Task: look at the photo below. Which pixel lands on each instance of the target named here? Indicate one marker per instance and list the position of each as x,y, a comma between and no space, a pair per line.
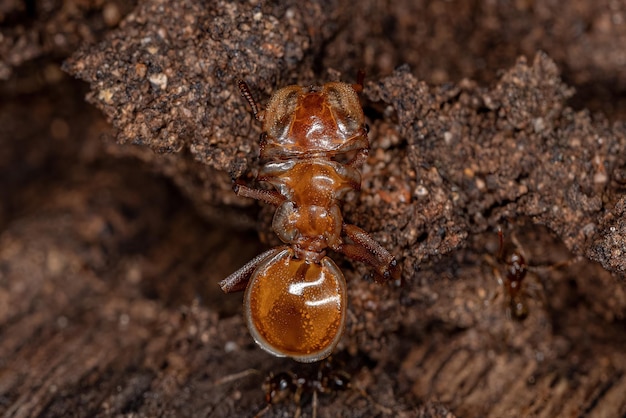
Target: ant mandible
295,295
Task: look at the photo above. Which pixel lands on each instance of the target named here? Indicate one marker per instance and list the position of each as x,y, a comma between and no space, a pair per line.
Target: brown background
118,219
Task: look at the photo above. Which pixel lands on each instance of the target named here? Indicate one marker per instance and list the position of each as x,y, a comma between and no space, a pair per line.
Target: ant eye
283,384
367,128
339,383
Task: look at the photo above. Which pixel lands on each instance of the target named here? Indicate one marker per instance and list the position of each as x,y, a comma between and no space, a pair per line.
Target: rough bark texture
118,221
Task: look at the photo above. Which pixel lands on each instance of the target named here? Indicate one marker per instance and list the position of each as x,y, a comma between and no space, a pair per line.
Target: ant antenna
245,92
360,78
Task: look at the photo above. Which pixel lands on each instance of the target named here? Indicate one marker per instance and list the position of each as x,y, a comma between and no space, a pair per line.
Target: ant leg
358,160
263,411
235,376
360,78
239,279
314,404
518,246
367,250
271,197
297,399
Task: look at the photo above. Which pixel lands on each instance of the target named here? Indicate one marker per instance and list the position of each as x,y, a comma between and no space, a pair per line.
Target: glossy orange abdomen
296,308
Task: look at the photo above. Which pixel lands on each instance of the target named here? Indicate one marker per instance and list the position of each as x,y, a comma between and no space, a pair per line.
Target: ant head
300,121
279,387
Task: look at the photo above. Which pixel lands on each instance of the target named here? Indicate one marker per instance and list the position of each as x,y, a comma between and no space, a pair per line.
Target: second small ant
305,382
515,271
292,385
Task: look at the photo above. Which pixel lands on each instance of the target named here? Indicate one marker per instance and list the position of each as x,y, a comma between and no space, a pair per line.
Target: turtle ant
313,144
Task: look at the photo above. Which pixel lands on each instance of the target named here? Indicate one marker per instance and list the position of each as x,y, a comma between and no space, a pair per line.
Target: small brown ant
313,144
292,385
307,382
515,271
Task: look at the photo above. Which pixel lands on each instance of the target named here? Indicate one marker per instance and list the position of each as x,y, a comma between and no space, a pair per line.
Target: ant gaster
295,295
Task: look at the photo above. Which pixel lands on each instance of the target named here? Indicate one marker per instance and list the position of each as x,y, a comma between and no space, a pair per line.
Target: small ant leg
239,279
271,197
297,398
245,92
235,376
314,404
519,248
367,250
263,411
